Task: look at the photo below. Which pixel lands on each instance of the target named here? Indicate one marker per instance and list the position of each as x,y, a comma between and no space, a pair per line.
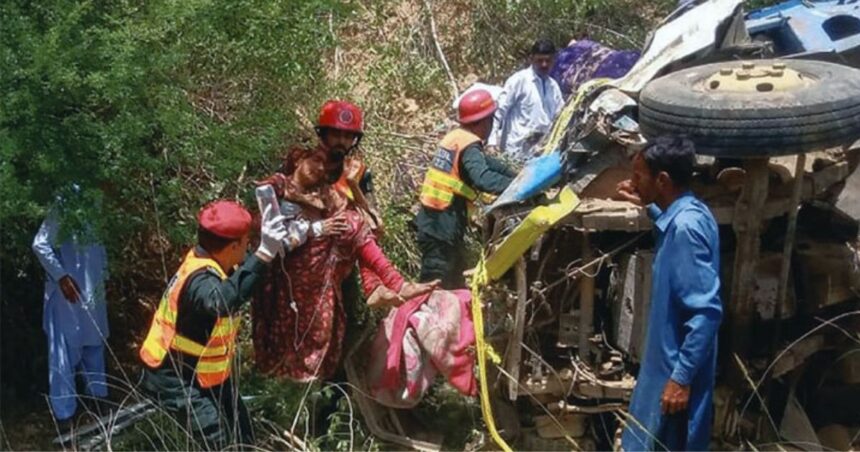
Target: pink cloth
427,335
402,315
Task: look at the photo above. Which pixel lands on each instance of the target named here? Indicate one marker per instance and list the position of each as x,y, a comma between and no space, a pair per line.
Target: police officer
189,350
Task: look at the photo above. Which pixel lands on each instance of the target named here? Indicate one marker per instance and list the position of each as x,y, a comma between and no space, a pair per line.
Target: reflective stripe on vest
214,358
443,180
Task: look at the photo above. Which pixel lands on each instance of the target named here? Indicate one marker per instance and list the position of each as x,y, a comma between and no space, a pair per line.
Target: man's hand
411,290
675,397
493,150
272,235
625,191
377,226
70,289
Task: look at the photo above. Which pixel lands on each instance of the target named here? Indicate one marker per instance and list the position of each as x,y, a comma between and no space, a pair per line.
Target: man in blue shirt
671,407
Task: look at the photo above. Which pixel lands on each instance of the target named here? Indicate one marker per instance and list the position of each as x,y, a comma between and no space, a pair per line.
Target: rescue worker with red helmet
458,172
189,351
340,128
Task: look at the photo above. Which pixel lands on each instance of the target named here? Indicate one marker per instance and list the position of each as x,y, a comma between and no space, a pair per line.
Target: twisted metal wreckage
561,300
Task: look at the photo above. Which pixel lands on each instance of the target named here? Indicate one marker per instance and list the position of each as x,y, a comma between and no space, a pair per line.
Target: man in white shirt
528,105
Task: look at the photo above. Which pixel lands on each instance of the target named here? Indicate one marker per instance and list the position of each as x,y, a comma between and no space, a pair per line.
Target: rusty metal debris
571,315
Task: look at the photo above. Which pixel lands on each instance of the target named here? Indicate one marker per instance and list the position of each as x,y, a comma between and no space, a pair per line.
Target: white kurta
76,331
527,107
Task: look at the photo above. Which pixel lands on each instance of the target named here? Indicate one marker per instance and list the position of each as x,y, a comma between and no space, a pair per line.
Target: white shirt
527,107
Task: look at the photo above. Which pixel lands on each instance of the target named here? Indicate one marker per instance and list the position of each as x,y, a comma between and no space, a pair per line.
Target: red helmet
475,106
341,115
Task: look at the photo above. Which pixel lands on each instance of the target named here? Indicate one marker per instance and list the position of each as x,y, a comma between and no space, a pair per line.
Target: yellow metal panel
526,234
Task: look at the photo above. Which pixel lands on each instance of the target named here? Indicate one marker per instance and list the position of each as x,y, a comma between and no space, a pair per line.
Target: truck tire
759,108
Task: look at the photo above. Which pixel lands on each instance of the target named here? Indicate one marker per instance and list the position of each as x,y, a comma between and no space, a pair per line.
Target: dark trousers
442,260
216,416
673,432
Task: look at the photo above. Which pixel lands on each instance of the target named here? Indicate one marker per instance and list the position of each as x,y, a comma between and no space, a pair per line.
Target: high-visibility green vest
213,359
443,180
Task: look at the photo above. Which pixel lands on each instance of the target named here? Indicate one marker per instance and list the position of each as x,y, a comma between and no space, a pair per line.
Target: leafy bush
153,108
179,99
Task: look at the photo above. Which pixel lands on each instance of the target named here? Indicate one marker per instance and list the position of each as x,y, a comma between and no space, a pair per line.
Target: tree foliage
152,108
173,98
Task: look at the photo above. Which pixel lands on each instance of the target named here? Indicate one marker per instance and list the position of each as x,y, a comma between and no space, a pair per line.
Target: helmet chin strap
355,145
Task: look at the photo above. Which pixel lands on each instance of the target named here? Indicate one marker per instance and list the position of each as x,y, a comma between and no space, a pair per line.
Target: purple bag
585,60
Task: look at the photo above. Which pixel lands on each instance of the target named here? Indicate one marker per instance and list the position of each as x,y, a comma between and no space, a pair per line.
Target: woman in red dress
298,314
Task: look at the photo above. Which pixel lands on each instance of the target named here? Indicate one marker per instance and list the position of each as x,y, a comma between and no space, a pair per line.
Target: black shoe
65,431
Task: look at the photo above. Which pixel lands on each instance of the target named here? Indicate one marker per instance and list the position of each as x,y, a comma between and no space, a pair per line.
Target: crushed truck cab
569,266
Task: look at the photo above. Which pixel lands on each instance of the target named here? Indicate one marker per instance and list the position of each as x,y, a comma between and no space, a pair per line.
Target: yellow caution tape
512,248
479,280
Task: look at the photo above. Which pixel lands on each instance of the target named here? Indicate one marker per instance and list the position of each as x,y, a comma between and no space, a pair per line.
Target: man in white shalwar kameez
75,315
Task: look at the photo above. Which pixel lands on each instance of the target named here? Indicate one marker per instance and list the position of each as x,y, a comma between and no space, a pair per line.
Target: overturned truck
567,310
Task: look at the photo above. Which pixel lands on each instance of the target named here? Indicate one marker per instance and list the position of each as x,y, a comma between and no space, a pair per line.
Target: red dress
298,315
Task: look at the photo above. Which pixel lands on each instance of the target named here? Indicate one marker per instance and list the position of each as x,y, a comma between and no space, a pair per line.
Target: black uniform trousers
215,416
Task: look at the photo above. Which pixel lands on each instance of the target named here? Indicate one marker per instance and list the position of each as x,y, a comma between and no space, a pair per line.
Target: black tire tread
821,115
820,119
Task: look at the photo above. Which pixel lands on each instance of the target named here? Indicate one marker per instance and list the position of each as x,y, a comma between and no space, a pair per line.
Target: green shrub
153,108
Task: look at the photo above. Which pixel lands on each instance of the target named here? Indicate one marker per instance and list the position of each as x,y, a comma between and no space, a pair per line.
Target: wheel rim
750,77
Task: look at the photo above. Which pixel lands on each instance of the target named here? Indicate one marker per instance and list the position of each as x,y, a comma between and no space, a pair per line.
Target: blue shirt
684,319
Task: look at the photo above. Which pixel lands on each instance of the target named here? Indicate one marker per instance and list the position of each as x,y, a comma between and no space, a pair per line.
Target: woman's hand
384,297
352,169
411,289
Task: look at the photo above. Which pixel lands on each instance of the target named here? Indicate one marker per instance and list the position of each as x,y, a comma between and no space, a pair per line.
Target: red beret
227,219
